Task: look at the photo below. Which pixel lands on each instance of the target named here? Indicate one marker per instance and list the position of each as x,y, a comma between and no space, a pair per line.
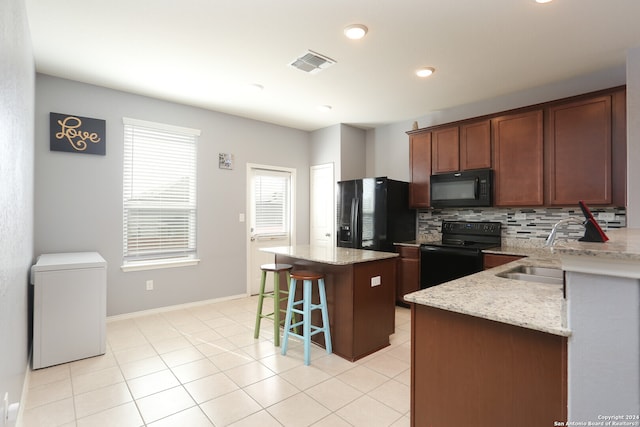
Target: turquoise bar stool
308,329
277,293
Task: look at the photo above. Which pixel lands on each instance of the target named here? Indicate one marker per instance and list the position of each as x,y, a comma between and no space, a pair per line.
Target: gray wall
16,194
353,147
78,197
343,145
325,148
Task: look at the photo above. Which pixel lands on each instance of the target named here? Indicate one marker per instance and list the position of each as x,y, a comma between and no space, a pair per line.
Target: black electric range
459,253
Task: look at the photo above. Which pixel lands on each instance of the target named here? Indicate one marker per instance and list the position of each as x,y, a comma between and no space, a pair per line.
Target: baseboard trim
25,390
158,310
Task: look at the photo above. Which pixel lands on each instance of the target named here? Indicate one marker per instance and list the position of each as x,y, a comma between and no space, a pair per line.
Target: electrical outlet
607,216
149,285
375,281
521,216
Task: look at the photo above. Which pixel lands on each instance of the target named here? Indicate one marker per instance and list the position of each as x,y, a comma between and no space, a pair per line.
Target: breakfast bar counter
537,306
489,350
360,286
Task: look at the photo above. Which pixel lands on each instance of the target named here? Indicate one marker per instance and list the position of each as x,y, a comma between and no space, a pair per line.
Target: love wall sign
76,134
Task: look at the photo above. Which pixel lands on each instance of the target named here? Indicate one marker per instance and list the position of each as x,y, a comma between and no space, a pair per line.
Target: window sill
157,264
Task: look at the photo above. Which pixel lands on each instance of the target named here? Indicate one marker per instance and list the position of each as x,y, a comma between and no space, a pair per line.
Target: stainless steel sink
529,273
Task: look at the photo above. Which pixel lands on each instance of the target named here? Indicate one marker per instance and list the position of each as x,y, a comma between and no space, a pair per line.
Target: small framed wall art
76,134
225,161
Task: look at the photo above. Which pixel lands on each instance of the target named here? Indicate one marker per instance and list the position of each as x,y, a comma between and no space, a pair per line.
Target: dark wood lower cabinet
408,272
361,314
468,371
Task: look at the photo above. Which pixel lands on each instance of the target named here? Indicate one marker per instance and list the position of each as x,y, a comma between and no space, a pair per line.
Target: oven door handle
450,251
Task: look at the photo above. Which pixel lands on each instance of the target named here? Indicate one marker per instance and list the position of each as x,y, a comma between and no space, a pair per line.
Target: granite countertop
623,244
537,306
330,255
525,251
618,257
531,305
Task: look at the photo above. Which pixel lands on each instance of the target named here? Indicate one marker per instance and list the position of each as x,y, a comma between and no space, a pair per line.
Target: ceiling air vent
312,62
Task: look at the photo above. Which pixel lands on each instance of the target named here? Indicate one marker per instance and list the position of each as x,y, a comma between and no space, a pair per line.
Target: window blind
271,209
159,193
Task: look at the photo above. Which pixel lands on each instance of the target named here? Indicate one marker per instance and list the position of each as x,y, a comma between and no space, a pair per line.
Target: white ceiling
205,52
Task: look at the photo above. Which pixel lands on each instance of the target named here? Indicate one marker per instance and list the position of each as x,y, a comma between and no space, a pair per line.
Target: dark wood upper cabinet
475,145
518,159
420,168
550,154
459,148
578,149
445,150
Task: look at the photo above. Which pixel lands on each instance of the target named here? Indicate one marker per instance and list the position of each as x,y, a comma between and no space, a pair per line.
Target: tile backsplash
524,227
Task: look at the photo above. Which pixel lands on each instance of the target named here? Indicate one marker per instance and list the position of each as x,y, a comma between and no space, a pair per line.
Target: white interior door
323,210
270,217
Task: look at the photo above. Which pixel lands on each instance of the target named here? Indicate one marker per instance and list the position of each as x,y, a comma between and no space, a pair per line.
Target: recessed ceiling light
425,71
355,31
544,1
324,108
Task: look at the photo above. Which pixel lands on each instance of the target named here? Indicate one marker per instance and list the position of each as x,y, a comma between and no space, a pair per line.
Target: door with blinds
270,217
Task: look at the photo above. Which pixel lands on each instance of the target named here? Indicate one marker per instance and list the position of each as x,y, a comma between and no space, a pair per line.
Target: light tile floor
201,366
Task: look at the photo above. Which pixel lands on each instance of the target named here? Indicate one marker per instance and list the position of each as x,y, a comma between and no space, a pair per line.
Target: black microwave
462,189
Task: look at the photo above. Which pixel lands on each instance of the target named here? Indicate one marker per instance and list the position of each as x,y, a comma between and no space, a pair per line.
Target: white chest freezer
69,307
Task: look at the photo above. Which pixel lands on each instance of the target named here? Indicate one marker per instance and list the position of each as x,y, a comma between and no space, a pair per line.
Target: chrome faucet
554,230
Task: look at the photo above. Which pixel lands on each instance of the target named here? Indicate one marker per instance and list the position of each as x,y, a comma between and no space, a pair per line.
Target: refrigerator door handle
355,223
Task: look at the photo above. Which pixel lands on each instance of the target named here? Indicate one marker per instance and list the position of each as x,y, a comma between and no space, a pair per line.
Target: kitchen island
360,287
489,351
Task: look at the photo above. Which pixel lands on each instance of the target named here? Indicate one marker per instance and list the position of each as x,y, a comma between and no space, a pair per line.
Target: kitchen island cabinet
469,371
489,351
360,286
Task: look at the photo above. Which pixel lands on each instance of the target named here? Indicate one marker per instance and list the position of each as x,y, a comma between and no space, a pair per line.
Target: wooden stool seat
308,329
306,275
277,293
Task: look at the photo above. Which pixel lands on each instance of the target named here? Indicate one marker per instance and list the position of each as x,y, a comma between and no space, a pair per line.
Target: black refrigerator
374,213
